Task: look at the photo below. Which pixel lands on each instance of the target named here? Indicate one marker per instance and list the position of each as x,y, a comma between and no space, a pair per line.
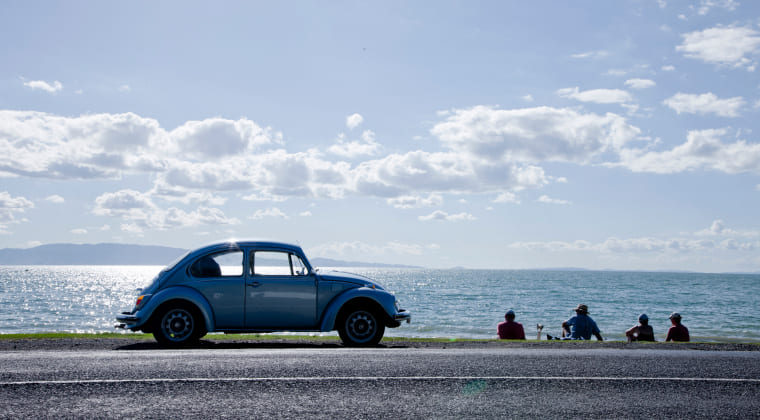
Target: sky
479,134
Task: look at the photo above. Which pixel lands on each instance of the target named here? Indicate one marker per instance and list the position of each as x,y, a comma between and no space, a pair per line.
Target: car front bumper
128,320
401,316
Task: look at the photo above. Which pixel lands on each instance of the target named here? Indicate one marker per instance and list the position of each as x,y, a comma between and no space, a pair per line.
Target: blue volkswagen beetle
257,286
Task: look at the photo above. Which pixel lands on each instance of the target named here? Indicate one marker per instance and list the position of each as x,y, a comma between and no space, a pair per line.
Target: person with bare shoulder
678,332
509,329
641,332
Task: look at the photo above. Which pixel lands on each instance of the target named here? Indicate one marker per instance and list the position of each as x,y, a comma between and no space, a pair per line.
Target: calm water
445,303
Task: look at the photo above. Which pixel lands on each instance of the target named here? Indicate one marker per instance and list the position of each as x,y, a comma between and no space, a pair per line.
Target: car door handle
254,284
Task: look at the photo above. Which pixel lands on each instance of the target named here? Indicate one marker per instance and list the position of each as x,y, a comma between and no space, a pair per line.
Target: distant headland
126,254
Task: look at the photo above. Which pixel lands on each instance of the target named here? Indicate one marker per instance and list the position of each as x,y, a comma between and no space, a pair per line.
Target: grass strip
220,337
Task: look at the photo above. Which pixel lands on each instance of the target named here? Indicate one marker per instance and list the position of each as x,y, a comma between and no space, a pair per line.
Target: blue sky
511,134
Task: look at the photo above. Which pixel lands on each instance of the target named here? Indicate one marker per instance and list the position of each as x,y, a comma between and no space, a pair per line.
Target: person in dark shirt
641,332
509,329
678,332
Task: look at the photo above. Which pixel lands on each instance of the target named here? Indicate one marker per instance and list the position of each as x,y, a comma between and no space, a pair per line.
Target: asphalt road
380,383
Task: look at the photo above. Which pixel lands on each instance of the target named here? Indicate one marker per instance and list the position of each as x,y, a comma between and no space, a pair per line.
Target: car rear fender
381,298
178,294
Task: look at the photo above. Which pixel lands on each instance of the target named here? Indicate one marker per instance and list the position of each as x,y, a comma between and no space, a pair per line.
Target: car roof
248,243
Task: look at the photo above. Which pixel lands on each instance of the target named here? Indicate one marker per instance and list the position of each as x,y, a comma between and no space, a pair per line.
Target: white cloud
443,216
591,54
174,194
484,150
528,98
724,46
639,245
80,231
719,228
703,149
124,88
645,245
305,213
507,197
599,96
37,144
273,212
216,138
367,146
706,5
706,103
540,134
121,201
10,208
140,213
56,86
55,198
358,249
616,72
640,83
668,68
353,121
415,201
549,200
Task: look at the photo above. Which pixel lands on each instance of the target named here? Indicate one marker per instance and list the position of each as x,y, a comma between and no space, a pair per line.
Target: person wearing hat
641,332
581,326
678,332
509,329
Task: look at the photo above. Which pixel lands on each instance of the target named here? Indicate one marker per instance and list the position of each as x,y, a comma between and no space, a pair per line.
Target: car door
220,278
281,293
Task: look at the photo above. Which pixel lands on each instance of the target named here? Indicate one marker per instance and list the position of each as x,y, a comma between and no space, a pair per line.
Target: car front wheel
178,325
360,327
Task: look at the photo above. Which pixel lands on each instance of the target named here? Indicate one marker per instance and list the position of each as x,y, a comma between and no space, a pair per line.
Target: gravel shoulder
146,343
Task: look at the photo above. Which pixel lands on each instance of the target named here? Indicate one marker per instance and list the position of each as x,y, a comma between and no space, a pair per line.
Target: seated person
509,329
641,332
678,332
580,327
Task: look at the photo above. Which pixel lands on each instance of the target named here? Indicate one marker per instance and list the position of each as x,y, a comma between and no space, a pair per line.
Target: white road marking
376,378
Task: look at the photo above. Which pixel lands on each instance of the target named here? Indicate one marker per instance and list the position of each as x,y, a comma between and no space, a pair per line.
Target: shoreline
57,342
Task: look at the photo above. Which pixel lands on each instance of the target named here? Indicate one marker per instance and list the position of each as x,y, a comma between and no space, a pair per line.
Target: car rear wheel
178,325
360,327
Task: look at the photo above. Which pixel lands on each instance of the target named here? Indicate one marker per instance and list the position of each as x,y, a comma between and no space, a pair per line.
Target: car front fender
383,299
175,293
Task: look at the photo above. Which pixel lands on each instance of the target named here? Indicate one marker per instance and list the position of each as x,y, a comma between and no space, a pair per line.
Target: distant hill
90,254
327,262
123,254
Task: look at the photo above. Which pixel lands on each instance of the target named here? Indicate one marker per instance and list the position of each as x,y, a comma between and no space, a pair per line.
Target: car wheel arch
365,303
331,313
184,296
361,322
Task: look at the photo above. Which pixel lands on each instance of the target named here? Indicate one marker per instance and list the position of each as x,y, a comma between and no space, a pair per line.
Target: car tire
178,325
360,327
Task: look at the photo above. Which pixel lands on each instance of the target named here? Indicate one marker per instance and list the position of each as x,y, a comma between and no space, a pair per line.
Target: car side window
275,263
226,264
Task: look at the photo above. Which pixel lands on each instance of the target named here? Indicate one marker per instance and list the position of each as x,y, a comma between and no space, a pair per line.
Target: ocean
444,303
